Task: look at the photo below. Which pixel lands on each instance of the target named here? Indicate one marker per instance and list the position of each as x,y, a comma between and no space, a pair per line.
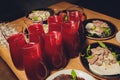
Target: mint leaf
74,75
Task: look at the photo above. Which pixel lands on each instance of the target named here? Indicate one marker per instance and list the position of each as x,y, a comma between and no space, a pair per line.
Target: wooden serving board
73,63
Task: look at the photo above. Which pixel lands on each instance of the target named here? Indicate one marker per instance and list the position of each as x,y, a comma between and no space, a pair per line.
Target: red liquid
75,15
35,68
54,23
36,33
54,50
15,43
71,38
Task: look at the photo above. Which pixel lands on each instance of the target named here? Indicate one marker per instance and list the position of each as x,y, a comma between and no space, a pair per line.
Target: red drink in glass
74,15
35,68
54,23
77,16
36,33
71,39
16,42
54,50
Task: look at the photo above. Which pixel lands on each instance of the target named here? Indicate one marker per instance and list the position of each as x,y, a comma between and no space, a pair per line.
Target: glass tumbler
35,68
36,33
71,38
76,13
54,23
55,55
16,42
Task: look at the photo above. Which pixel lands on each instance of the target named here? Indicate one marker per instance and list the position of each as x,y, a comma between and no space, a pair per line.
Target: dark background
13,9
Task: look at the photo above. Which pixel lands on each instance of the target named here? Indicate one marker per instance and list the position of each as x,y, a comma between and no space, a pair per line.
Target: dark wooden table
5,72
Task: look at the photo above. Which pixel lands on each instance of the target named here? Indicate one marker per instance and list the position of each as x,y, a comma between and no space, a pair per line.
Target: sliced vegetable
93,28
107,31
114,54
66,18
90,57
90,34
34,11
35,18
102,44
83,55
74,75
45,28
118,62
87,50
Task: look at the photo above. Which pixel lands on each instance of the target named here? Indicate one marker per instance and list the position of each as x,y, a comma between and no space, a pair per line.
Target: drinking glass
55,55
36,33
71,38
54,23
16,42
13,33
76,13
35,67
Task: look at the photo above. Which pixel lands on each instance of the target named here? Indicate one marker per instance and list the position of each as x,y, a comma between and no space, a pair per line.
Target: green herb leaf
74,75
107,31
104,28
34,11
35,18
90,57
87,50
93,28
102,44
66,18
118,62
90,34
114,54
83,55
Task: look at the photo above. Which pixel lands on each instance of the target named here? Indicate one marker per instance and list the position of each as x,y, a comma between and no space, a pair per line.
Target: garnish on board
74,75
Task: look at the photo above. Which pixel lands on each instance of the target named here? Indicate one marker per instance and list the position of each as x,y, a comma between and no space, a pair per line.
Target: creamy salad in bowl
102,59
99,29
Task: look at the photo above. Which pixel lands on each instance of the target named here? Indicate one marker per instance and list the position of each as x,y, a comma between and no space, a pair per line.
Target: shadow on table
5,72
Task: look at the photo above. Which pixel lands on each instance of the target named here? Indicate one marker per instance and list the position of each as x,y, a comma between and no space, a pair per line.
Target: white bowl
118,36
79,73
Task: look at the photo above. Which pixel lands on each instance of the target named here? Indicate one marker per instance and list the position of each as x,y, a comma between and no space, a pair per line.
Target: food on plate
118,36
39,15
98,28
102,60
70,74
67,77
5,31
73,76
